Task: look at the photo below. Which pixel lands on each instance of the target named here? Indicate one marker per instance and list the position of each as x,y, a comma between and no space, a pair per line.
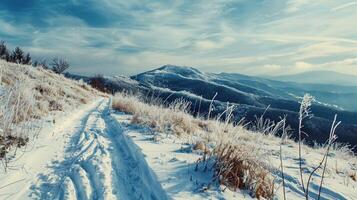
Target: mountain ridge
251,96
319,77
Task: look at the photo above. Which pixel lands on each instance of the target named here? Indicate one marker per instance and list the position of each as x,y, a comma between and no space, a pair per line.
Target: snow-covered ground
85,157
174,162
96,153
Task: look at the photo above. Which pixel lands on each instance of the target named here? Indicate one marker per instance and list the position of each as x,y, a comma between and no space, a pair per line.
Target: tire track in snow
101,162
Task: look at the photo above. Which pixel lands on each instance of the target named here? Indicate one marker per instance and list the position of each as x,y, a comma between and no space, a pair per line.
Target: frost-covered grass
28,94
249,160
237,163
173,120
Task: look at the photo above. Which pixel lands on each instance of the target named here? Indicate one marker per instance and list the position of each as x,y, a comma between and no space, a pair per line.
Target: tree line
58,65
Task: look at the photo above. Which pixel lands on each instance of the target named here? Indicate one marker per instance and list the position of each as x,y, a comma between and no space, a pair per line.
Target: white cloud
295,5
220,35
207,44
344,6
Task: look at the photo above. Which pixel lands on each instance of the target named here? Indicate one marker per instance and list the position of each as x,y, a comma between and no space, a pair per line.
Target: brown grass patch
238,168
353,176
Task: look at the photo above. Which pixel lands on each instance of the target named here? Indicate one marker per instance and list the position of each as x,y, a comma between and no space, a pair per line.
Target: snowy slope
252,95
174,162
98,154
86,157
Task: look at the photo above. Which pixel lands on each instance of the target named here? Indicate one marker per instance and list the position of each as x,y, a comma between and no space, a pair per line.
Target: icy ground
95,153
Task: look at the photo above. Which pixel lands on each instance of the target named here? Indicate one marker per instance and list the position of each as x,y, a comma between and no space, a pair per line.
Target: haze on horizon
256,37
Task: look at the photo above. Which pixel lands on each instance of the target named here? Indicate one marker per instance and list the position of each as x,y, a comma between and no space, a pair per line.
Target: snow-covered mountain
252,95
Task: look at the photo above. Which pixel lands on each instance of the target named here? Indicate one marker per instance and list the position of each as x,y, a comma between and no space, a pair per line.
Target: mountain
319,77
250,95
247,87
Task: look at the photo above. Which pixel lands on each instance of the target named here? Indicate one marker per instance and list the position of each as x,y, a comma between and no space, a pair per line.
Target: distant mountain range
250,95
319,77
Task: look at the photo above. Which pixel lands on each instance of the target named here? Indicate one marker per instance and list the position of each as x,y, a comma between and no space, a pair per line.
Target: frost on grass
232,152
237,164
28,94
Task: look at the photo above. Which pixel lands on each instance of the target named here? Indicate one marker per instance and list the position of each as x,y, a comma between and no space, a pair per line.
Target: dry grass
52,92
230,150
17,106
238,168
238,162
174,119
28,94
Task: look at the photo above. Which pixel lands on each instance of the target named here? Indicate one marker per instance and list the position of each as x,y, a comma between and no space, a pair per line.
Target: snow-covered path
99,164
94,153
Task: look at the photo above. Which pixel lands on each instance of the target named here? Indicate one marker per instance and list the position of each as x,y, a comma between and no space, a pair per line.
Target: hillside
319,77
251,96
73,142
29,96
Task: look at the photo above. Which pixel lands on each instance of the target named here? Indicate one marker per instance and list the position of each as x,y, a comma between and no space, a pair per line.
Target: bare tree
98,82
59,65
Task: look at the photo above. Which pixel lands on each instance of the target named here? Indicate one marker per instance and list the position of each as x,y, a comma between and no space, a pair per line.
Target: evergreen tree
4,53
17,56
27,59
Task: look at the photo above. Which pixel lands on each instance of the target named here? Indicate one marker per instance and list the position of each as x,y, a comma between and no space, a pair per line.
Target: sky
255,37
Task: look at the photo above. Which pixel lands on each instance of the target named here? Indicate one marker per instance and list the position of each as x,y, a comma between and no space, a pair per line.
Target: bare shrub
59,65
98,82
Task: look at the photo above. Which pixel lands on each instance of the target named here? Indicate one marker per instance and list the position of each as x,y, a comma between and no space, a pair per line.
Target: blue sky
257,37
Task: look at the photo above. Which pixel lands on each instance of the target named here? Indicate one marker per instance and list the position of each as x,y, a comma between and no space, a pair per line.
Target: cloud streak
127,37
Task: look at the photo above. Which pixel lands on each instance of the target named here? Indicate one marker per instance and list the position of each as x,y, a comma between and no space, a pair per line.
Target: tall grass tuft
16,109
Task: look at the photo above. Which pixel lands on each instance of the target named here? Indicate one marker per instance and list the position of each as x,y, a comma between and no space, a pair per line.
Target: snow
96,153
35,159
2,90
86,157
174,163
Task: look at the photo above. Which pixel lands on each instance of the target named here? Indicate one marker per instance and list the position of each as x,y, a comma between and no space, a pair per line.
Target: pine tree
27,59
4,53
17,56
